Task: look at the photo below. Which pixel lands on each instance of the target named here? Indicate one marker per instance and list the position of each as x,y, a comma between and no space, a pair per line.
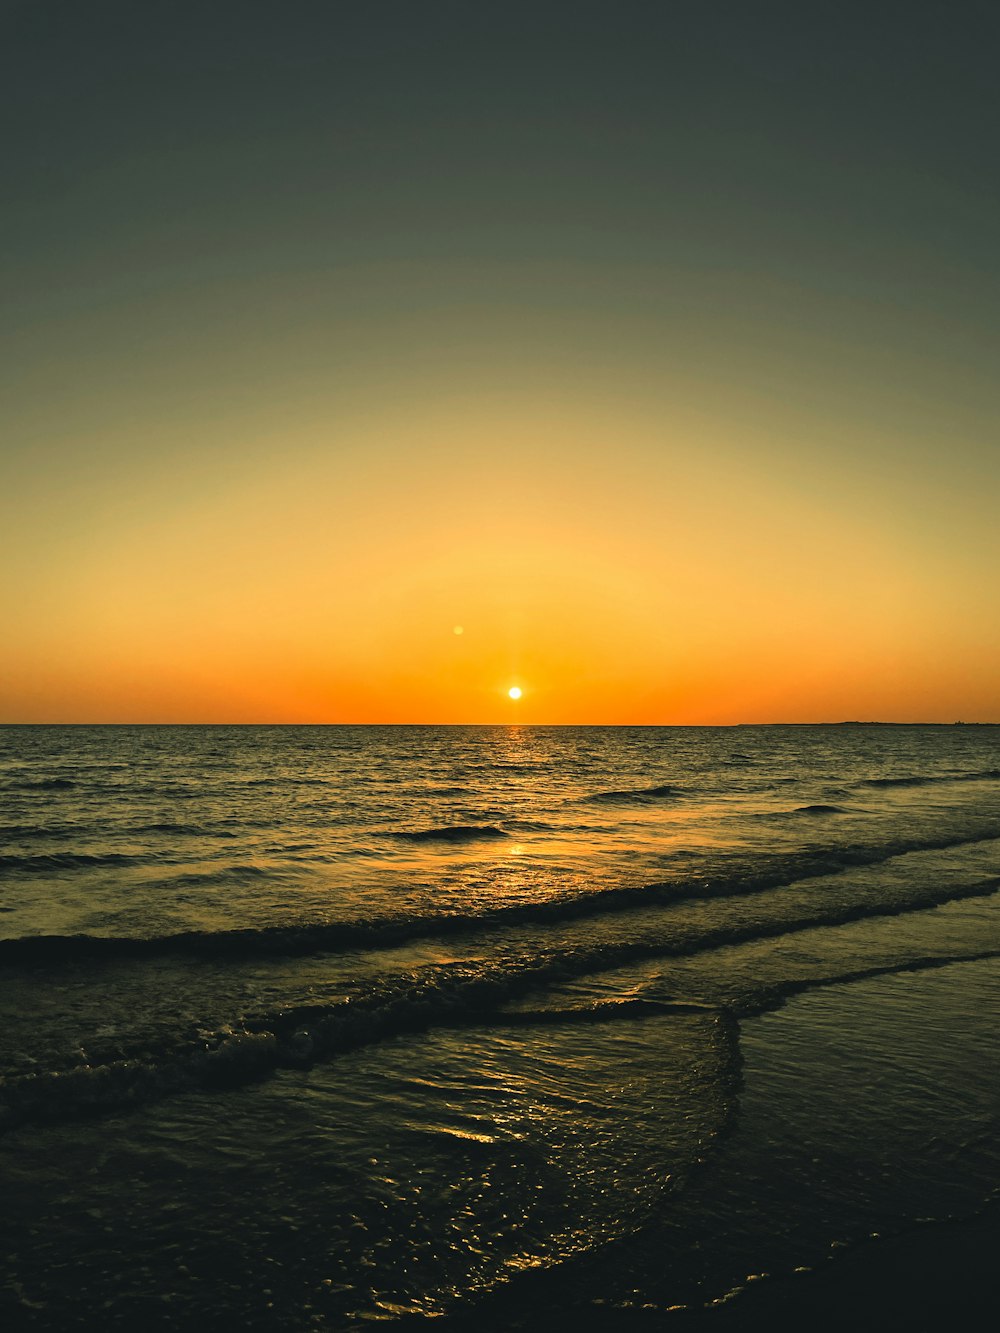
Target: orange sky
677,394
621,556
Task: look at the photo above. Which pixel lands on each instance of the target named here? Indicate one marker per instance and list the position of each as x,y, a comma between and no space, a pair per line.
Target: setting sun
356,358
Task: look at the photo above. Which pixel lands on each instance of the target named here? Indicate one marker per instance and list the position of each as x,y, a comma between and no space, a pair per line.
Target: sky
360,362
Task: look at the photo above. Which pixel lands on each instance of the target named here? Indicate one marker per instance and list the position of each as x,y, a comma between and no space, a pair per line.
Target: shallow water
328,1024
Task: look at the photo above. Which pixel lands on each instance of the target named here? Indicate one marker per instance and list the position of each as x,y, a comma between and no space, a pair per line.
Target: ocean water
312,1026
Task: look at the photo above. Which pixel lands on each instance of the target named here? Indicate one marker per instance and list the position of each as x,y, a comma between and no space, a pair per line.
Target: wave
44,784
185,830
803,810
339,936
448,995
451,833
45,861
223,875
929,779
50,832
637,796
24,831
773,997
294,1039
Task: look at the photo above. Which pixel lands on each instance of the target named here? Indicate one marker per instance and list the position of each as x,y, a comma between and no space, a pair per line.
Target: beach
500,691
665,1027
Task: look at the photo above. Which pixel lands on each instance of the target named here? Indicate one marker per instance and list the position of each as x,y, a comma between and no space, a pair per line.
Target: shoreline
934,1275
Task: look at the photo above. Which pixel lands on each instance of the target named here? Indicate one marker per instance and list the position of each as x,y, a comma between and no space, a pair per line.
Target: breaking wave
448,995
337,936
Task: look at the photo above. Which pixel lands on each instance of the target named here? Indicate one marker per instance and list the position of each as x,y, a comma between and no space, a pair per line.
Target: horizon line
840,722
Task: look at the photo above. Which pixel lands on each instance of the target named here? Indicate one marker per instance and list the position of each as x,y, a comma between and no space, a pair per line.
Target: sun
514,692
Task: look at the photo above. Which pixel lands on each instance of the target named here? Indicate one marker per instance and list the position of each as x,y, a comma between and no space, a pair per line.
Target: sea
310,1027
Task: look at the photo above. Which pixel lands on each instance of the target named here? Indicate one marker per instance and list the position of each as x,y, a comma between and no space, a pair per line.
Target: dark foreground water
304,1026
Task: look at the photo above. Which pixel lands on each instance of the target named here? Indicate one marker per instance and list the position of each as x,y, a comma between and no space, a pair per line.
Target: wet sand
937,1276
942,1275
